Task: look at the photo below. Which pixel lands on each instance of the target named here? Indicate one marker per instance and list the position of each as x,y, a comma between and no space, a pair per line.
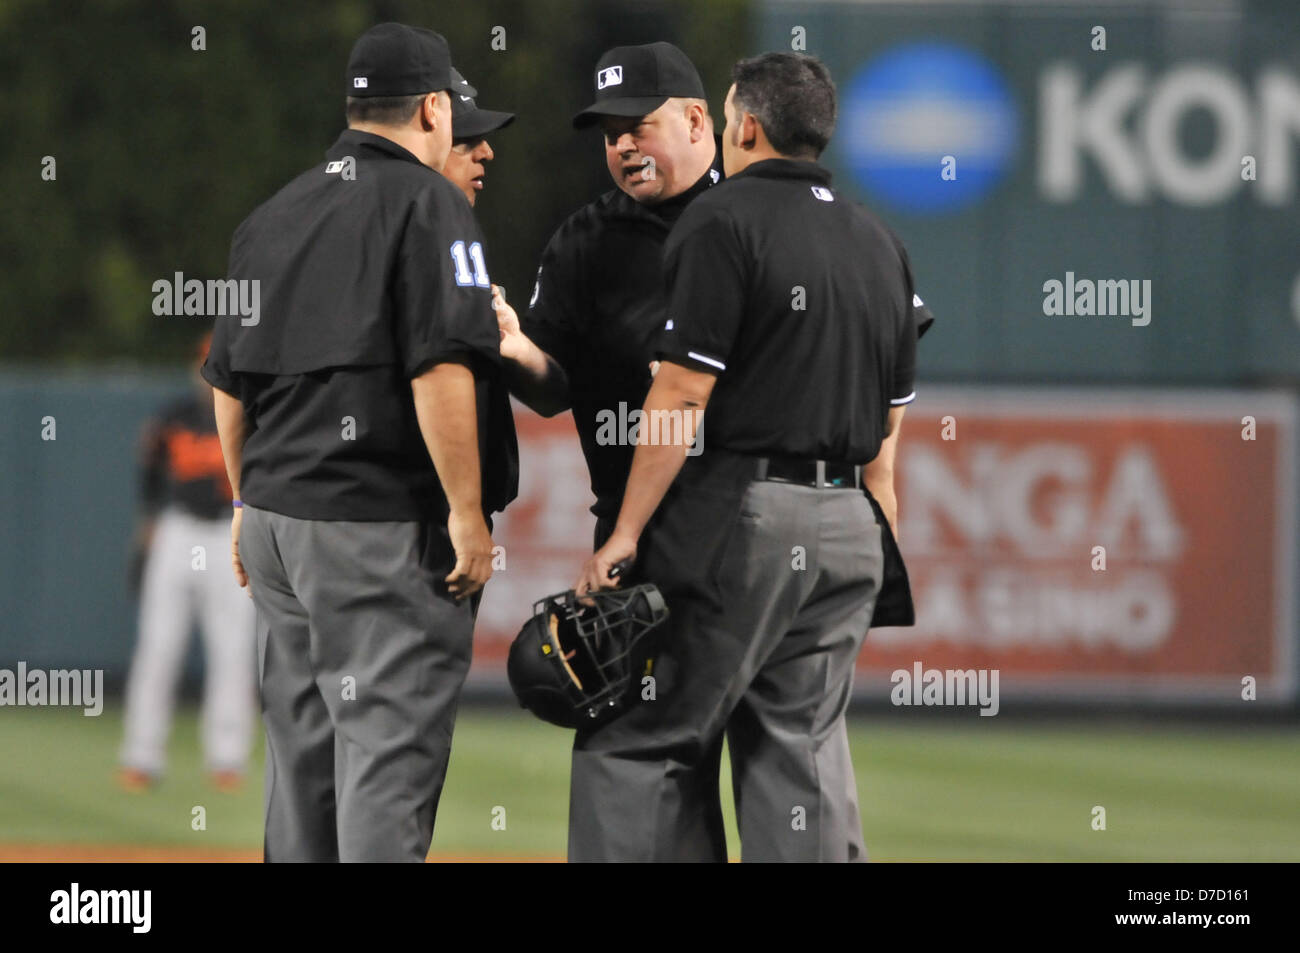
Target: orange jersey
182,462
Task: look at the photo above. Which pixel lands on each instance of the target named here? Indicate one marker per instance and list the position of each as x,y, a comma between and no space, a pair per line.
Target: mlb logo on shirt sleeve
822,193
360,82
609,76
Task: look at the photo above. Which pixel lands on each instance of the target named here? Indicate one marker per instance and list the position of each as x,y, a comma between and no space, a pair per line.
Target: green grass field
974,790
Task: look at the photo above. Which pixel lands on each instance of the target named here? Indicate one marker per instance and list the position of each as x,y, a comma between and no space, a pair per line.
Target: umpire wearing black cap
470,151
352,416
791,316
587,340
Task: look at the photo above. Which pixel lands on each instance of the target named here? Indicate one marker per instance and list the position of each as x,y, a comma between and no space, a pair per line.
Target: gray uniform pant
771,587
361,659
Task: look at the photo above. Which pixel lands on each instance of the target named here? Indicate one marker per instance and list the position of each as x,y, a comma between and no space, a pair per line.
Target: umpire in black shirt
791,315
587,339
352,413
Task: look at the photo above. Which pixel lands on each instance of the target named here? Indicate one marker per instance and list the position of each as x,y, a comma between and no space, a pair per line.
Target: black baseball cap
393,59
636,80
467,120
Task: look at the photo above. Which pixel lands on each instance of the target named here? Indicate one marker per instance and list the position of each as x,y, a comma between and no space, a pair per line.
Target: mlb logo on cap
634,81
824,194
393,59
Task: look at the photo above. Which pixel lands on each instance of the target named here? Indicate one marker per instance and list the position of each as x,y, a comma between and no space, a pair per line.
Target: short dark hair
383,110
793,98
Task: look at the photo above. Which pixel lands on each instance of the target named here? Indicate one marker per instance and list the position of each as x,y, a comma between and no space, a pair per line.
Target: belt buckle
839,482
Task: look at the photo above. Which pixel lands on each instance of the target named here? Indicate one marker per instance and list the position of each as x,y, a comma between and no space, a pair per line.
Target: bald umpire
351,411
790,315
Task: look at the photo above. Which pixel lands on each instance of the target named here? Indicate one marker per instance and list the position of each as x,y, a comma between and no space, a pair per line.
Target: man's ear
748,131
429,111
698,117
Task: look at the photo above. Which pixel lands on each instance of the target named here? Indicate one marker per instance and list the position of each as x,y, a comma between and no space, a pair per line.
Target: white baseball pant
174,591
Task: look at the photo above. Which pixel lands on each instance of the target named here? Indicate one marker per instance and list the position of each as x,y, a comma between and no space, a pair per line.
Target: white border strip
707,360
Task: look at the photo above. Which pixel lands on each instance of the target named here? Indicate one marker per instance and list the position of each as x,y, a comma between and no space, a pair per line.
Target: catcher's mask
573,662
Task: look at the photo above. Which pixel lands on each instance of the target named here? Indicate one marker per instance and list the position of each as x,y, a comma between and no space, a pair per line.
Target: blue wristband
237,503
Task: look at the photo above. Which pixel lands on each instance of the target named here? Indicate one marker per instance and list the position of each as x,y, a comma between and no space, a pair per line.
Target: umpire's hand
472,543
237,564
596,573
514,344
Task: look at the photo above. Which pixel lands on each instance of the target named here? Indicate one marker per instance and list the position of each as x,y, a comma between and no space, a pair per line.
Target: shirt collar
788,169
378,147
711,177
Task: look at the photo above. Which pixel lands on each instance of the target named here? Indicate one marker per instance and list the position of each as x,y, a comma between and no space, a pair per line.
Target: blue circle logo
928,127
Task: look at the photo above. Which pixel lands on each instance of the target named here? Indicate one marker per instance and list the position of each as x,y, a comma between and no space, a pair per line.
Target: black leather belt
826,474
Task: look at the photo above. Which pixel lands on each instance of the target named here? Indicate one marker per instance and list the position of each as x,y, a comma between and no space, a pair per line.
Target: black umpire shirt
801,301
596,309
371,270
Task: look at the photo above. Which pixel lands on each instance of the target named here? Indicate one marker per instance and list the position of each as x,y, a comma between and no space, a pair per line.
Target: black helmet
572,663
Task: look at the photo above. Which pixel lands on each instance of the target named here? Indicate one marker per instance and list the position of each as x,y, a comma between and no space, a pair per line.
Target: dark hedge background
162,150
